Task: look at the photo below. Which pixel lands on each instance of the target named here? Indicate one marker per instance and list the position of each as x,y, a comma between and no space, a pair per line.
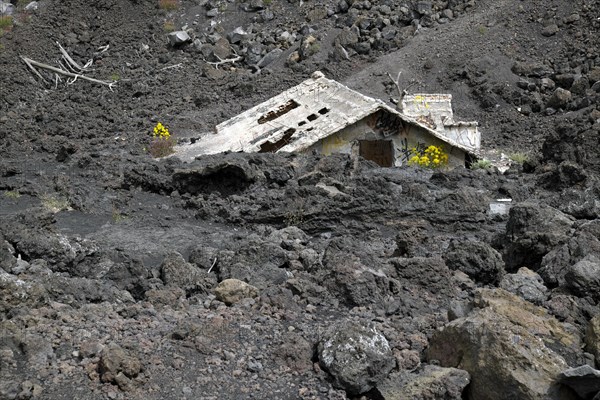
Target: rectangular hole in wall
272,147
323,110
281,110
312,117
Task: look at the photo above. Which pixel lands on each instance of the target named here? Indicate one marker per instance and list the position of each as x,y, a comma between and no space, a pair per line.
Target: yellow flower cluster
431,157
161,132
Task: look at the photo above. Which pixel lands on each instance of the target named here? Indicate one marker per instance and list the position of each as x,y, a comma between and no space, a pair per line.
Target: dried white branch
172,66
69,59
396,83
213,264
35,71
32,63
221,61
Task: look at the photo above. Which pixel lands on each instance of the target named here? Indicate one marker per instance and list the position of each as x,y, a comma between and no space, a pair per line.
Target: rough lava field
289,276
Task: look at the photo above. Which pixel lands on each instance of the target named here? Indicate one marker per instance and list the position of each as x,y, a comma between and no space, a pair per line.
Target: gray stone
389,33
179,38
237,35
573,18
559,261
222,49
6,9
266,15
550,30
342,6
357,356
526,284
565,80
584,380
532,231
583,278
478,260
432,382
118,366
15,292
424,7
212,12
33,6
269,57
559,99
231,291
580,85
176,272
531,69
592,337
594,75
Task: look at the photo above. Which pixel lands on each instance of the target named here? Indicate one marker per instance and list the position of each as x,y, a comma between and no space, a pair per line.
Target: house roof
296,119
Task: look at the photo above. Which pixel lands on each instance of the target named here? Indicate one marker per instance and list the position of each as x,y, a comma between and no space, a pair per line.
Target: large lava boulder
498,344
532,231
476,259
432,382
357,356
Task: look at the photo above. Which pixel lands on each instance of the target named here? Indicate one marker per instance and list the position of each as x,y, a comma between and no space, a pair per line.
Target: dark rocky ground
364,282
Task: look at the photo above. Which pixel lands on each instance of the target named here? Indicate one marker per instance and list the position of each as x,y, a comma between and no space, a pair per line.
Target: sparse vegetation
115,77
169,26
168,5
481,164
519,158
12,194
117,216
54,202
6,22
313,49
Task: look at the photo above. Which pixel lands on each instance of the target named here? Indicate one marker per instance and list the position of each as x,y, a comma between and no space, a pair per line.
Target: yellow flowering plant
162,143
430,157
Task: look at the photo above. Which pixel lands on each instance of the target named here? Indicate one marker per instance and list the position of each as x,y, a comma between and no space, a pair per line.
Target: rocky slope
286,276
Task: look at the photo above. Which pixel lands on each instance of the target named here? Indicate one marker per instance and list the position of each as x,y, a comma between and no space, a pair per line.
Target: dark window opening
379,151
323,110
301,123
312,117
269,147
310,129
281,110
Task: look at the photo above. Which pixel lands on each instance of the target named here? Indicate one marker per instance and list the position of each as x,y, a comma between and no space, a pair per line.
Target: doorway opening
378,151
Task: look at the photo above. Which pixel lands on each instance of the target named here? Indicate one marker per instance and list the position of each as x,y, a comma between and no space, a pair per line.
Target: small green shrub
6,22
169,26
168,5
481,164
313,49
117,216
519,158
12,194
54,202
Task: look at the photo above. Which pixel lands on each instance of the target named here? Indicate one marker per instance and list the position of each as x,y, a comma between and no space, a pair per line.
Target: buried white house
325,116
